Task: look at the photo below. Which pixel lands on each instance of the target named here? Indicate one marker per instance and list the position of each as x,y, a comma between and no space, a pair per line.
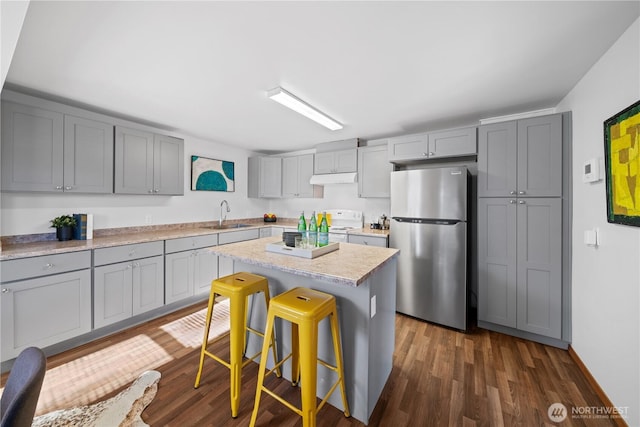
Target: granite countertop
350,265
132,235
117,238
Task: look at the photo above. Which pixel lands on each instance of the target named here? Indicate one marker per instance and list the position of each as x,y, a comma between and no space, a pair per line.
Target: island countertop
350,265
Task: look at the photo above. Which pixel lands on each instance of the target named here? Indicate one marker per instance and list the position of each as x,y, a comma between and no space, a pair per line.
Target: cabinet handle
129,266
366,243
431,153
132,253
68,187
48,266
58,187
150,191
521,202
5,290
513,193
425,154
156,190
521,192
136,264
512,201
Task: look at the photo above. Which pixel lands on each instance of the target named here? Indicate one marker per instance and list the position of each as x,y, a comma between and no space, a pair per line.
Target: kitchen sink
228,226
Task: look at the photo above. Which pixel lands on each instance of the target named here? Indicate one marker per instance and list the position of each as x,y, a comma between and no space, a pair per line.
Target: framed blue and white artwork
211,174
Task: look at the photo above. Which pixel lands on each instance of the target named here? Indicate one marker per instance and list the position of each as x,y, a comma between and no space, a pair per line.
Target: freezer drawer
432,271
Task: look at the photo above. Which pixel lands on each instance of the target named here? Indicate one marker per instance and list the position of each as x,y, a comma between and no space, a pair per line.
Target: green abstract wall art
211,174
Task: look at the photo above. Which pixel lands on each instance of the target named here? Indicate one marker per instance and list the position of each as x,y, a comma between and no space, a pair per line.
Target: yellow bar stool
237,287
304,308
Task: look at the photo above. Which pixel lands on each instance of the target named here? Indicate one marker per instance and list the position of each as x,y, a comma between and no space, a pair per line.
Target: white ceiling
380,68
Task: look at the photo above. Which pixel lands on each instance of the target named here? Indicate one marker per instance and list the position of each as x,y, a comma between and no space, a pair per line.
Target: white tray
281,248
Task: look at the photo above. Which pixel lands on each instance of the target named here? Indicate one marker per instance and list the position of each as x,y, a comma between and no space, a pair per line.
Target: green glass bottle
313,230
323,235
302,224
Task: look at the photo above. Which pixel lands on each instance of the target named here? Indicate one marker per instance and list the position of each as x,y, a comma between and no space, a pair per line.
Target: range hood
334,178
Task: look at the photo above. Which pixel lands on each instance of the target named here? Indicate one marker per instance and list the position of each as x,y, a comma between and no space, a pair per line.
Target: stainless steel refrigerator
429,212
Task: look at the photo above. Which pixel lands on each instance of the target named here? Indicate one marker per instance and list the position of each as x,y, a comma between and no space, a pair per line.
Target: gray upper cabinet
374,171
522,158
32,148
336,161
408,148
453,143
296,173
265,177
88,155
147,163
432,145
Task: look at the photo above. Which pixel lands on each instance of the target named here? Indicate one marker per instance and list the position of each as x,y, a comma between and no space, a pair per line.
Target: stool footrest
281,400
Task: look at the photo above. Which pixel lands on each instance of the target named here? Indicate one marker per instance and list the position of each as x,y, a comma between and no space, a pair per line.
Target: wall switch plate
591,237
591,170
373,306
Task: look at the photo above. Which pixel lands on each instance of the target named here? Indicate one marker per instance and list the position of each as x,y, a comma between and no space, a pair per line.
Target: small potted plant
64,226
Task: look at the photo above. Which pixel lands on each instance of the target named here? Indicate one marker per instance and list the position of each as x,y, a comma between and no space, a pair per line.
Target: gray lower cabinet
128,280
374,170
225,264
265,177
381,241
189,272
520,264
148,163
45,300
521,158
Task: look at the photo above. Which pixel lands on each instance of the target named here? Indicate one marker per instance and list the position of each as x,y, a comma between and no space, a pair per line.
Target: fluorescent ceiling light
296,104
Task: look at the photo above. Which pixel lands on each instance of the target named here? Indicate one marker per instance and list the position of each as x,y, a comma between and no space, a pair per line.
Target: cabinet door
270,177
497,160
290,177
44,311
133,162
540,156
32,148
452,143
305,172
148,284
540,266
205,270
497,261
346,161
379,241
408,147
88,156
323,163
112,299
168,165
179,276
374,169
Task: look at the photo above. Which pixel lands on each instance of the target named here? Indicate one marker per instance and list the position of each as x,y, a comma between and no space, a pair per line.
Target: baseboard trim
592,381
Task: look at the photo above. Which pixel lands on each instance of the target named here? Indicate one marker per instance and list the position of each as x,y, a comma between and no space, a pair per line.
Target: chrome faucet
225,215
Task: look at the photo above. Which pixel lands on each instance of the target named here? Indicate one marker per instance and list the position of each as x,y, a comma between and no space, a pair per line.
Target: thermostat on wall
591,171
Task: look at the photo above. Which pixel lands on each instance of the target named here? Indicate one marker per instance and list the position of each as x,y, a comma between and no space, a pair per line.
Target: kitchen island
363,280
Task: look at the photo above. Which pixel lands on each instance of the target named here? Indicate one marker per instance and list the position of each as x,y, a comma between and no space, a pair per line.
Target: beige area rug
122,410
88,379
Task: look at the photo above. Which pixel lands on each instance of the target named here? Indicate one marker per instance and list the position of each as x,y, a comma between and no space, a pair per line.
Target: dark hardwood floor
440,377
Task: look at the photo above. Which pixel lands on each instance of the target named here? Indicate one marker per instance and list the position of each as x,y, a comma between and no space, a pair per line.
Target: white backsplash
336,196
